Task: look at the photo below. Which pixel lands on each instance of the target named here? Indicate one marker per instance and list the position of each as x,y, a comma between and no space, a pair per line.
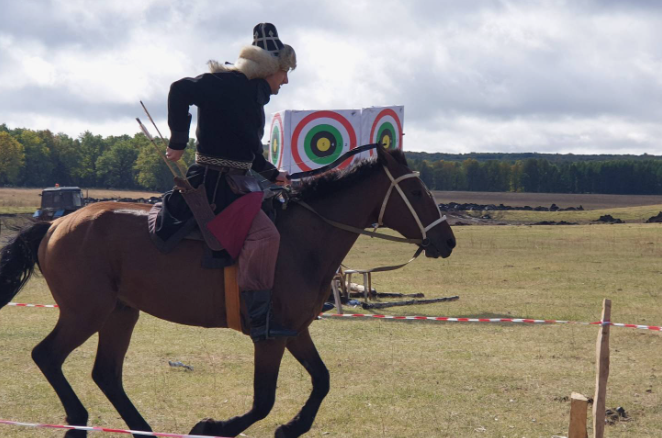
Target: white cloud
509,75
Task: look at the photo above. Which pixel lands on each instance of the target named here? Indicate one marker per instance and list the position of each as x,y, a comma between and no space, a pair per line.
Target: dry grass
395,378
28,200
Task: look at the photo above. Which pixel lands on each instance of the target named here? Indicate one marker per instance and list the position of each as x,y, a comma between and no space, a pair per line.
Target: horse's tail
17,260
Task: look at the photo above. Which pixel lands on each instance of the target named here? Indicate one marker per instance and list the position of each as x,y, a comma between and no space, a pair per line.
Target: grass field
15,200
397,378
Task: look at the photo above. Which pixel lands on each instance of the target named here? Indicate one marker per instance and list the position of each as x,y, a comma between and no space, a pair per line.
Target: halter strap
357,230
422,242
394,183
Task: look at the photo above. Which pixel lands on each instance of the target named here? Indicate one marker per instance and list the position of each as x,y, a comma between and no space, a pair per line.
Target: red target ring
277,119
385,113
318,115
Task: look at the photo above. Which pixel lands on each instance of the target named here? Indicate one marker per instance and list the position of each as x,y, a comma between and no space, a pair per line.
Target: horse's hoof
208,426
75,434
281,432
204,427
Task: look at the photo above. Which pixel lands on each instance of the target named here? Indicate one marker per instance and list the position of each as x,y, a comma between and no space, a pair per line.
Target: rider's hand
281,179
174,154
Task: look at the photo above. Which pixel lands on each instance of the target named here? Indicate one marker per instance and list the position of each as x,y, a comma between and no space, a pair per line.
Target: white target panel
383,125
300,141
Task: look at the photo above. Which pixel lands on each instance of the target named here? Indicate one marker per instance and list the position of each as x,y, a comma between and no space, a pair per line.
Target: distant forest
540,173
41,159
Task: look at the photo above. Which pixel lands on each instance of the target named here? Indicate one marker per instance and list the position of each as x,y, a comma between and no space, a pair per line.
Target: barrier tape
33,305
101,429
446,318
514,320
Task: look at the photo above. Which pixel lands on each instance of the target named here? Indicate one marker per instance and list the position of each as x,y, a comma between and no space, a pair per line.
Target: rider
230,101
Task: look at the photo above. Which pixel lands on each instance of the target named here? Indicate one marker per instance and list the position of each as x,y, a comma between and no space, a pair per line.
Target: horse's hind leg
114,338
303,349
71,330
268,355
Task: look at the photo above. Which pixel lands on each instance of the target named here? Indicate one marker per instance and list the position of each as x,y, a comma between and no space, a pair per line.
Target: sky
576,76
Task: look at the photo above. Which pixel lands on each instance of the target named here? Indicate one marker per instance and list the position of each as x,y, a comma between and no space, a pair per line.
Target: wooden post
335,285
578,411
602,372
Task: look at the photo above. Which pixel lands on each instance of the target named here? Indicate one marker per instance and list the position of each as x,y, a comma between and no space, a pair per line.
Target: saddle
213,229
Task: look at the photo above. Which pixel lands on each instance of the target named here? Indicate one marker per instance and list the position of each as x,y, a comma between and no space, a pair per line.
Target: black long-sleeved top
230,116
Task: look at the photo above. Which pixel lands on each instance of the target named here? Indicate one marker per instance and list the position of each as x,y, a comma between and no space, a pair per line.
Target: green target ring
323,144
275,145
386,136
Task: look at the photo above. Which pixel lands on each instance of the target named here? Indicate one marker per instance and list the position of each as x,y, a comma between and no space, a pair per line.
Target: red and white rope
513,320
52,306
100,429
442,318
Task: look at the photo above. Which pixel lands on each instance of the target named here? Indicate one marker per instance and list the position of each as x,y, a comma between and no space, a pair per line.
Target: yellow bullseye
275,145
386,142
323,144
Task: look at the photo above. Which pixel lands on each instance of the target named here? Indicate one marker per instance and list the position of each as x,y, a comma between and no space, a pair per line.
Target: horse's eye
418,194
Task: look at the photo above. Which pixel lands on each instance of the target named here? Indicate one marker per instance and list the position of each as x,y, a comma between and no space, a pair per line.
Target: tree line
539,175
41,159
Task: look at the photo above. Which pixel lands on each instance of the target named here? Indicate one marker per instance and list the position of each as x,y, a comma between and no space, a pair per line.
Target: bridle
422,243
395,183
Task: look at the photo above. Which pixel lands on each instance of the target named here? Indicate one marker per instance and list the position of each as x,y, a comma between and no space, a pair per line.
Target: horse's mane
337,180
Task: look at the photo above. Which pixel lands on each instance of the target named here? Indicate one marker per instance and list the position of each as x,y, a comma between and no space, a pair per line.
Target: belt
221,163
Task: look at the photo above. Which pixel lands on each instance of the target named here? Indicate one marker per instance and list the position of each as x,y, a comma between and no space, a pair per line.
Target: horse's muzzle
440,249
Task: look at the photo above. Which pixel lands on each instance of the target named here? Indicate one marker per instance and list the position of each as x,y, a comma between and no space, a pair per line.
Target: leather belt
222,163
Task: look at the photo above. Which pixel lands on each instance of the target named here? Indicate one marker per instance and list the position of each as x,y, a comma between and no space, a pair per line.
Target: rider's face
276,80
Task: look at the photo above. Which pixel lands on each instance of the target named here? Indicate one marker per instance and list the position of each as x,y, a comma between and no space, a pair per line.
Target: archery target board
321,137
279,138
305,140
383,125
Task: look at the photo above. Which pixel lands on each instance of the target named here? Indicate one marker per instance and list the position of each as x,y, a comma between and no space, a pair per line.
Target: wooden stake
578,411
602,372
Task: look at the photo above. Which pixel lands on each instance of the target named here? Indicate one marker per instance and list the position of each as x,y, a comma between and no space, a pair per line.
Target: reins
422,243
336,163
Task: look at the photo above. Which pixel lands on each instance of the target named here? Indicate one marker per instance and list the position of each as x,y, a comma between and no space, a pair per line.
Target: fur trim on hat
255,62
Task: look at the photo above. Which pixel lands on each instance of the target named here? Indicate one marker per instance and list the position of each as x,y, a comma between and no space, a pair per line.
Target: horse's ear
390,156
382,155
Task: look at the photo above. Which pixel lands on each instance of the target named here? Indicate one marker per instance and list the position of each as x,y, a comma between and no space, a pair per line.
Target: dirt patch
563,200
454,206
655,219
609,219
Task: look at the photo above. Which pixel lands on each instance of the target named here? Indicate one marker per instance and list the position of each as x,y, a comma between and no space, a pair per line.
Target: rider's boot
258,303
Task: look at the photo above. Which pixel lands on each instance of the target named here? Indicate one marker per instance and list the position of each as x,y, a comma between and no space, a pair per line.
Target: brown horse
102,270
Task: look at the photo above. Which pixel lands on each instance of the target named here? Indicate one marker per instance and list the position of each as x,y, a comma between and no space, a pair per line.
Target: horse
103,270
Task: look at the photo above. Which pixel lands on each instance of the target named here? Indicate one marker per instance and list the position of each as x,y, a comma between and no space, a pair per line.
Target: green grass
397,378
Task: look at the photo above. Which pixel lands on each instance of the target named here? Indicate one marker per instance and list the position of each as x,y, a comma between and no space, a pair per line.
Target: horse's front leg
303,349
268,355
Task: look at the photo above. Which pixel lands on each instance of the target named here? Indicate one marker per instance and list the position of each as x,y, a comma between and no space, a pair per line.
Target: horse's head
410,209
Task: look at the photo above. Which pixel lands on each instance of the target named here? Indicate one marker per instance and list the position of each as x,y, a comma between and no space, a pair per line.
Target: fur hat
264,57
